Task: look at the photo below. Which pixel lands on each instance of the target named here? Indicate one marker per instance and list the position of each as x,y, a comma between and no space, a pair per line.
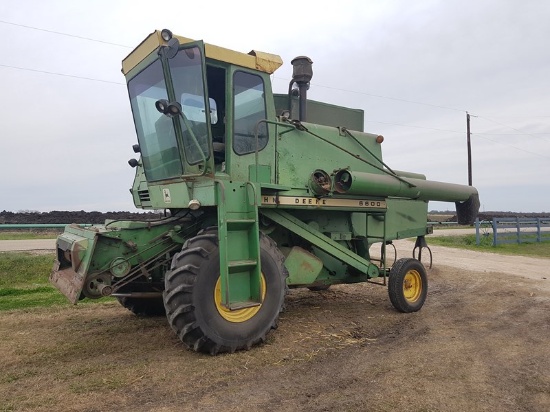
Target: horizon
157,211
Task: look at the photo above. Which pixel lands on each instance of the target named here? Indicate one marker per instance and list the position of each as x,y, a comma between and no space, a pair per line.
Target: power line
522,117
280,78
389,98
454,131
438,106
370,121
413,126
380,96
65,34
513,128
507,134
515,147
60,74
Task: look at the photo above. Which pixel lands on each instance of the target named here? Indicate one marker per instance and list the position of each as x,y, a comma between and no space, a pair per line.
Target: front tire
192,305
408,285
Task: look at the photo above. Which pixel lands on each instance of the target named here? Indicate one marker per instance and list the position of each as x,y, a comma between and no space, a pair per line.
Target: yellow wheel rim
239,315
412,286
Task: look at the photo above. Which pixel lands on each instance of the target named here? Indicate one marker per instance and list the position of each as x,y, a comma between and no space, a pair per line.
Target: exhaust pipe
302,73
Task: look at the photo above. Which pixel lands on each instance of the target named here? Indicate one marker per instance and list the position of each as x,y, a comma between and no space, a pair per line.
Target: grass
537,249
437,227
24,276
24,282
22,270
23,235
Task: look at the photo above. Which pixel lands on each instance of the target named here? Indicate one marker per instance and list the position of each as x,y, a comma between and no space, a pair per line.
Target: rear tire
408,285
143,306
318,288
190,298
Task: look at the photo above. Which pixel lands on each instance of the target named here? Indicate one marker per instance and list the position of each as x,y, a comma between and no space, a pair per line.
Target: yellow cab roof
257,60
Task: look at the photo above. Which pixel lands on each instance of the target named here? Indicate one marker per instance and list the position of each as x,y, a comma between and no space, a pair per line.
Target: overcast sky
414,67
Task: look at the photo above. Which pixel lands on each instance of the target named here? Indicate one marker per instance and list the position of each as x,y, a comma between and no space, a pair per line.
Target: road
482,262
26,245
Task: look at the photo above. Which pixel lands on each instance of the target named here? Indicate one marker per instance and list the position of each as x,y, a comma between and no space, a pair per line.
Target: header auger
263,192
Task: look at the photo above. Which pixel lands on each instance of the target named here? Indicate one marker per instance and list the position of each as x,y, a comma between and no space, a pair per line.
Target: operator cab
194,107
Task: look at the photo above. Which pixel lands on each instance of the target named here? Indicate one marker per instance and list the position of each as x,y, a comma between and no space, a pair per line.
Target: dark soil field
481,343
60,217
67,217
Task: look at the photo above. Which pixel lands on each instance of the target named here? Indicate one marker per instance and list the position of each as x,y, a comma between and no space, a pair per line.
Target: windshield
155,131
187,77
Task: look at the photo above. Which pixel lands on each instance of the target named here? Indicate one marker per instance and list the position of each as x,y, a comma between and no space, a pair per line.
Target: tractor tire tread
395,285
180,283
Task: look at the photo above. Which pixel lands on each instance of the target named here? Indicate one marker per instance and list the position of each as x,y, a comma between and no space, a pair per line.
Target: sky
414,67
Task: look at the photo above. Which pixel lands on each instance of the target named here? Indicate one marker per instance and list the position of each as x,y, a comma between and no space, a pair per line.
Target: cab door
252,136
186,75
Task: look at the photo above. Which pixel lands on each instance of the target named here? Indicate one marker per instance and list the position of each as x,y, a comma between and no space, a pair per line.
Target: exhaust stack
301,75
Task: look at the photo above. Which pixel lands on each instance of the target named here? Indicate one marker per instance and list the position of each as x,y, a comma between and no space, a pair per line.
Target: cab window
156,135
249,108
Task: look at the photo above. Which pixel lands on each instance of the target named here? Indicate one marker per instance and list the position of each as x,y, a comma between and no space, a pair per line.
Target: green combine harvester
262,192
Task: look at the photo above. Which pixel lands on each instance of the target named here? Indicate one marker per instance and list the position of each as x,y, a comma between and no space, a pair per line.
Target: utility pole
468,142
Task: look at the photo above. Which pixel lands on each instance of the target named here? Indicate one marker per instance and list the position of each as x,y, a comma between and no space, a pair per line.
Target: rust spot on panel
306,266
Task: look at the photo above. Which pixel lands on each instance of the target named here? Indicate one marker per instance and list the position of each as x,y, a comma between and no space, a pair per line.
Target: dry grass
476,345
84,355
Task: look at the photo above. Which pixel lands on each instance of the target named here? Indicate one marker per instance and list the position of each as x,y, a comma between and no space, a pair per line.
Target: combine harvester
263,192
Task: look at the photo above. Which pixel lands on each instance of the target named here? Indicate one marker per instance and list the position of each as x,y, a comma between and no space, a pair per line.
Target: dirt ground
480,343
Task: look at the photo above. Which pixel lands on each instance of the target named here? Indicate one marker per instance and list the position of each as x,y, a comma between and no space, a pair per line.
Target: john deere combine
262,192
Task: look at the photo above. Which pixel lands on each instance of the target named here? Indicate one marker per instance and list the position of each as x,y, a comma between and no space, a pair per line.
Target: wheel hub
412,286
238,315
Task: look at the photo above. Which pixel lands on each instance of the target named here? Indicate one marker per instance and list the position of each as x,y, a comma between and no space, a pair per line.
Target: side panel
301,152
404,218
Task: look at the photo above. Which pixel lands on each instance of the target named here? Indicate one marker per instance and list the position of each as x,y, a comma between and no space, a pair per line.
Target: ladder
239,244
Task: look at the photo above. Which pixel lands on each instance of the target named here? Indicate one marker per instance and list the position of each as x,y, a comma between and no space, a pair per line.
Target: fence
514,230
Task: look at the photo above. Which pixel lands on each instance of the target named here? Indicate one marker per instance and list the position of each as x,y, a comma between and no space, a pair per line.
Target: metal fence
514,230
